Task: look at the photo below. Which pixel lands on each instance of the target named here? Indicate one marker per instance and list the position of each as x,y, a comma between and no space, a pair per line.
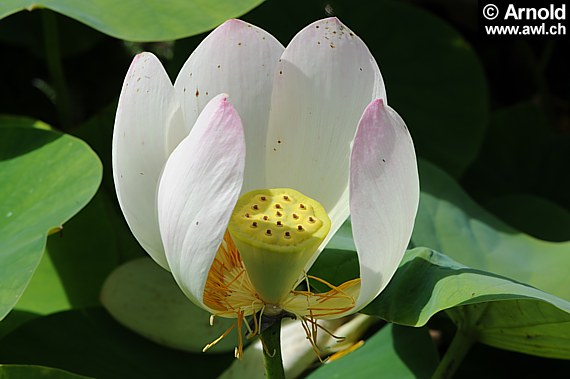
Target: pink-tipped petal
384,196
325,79
147,110
198,190
239,59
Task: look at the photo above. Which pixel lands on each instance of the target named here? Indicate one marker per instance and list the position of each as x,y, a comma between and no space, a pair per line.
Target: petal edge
198,190
384,196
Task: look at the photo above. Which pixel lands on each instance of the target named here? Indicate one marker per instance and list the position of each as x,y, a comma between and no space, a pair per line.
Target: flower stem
460,346
273,362
55,67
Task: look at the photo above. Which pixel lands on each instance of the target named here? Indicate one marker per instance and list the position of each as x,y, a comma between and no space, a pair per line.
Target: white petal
384,196
198,190
324,81
147,109
238,59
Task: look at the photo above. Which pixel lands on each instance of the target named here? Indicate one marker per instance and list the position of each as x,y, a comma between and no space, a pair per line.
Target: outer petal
147,109
198,190
325,79
384,196
239,59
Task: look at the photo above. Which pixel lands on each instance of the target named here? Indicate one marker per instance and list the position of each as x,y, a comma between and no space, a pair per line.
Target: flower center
276,232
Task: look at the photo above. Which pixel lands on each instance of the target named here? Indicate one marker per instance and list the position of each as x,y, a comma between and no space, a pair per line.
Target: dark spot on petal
197,93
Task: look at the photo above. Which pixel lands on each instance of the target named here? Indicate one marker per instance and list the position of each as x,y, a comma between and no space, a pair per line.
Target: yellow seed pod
276,232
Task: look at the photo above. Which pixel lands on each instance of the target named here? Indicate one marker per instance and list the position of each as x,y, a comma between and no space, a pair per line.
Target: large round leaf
46,178
37,372
135,20
449,221
393,352
535,215
89,342
66,278
516,316
145,298
498,311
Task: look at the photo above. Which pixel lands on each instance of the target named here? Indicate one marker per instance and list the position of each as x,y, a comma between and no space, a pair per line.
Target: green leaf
46,178
89,342
14,319
13,121
39,372
449,221
532,214
524,151
66,278
500,312
133,20
145,298
45,293
393,352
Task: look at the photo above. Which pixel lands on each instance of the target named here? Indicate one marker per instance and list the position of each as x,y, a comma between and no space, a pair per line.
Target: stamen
344,352
271,355
208,346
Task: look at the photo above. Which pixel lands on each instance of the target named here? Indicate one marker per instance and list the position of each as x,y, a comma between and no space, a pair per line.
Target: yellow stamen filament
344,352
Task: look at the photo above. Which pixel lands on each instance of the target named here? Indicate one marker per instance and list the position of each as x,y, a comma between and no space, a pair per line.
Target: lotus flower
238,199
